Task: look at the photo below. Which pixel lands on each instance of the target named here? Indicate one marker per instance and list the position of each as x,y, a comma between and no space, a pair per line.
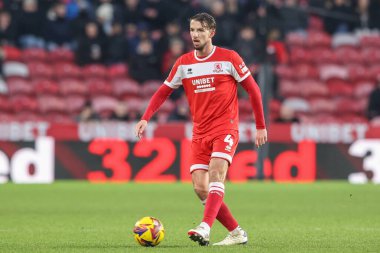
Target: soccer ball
149,231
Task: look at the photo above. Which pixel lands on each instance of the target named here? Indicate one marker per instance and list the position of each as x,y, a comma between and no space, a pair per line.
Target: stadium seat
23,103
374,72
5,105
94,71
315,23
150,87
7,117
104,105
300,55
11,53
323,56
13,68
126,88
322,105
66,70
312,88
329,71
61,55
288,88
375,121
318,39
61,118
338,87
19,86
284,72
40,70
34,54
136,104
352,118
371,55
72,87
363,88
117,71
75,103
370,41
357,72
297,104
49,103
346,105
344,39
302,71
98,87
296,39
28,116
245,105
45,86
349,55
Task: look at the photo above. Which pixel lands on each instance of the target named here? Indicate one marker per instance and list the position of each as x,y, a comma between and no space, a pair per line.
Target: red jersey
210,84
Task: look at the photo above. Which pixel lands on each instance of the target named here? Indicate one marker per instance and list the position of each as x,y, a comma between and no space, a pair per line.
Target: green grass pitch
72,216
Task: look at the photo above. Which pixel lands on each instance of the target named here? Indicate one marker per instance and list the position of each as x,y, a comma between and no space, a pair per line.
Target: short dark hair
205,19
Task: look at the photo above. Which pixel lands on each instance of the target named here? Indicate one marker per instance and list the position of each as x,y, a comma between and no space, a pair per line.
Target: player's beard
200,47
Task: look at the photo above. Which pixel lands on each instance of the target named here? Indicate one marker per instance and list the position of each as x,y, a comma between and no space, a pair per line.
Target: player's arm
159,97
250,86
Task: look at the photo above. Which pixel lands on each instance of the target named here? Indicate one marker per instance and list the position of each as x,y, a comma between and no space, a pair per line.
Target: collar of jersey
205,58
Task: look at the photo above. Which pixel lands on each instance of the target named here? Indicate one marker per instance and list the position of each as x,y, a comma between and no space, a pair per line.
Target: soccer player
209,76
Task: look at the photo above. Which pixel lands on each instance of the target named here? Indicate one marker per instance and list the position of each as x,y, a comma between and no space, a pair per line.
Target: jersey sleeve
174,79
238,68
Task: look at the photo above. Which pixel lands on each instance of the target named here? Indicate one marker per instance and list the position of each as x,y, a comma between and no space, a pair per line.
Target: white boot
200,234
237,236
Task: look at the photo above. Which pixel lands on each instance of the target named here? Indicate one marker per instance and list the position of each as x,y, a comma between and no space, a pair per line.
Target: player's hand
261,137
140,127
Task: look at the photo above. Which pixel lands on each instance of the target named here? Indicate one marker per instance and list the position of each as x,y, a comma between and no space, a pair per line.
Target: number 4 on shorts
229,140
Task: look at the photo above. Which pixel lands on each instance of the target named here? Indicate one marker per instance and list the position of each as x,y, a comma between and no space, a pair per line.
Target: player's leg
199,171
200,180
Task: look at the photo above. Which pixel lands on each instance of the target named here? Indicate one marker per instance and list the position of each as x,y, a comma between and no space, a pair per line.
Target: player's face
200,35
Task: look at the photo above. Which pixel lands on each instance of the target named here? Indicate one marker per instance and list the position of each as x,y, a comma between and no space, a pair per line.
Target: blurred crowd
149,35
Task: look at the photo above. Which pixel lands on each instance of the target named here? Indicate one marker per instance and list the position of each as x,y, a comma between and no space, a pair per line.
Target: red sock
213,203
225,217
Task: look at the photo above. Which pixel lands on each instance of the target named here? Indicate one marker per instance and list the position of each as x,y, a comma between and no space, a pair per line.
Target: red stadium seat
18,86
358,72
61,118
331,71
363,88
150,87
136,105
40,70
349,55
99,87
300,55
104,105
167,107
67,70
61,55
28,116
339,88
245,105
285,72
49,103
371,55
126,88
322,105
315,23
46,86
313,88
370,41
34,54
346,105
295,39
11,53
23,103
318,39
117,71
289,88
74,103
73,87
94,71
374,72
323,56
7,117
303,71
5,105
352,118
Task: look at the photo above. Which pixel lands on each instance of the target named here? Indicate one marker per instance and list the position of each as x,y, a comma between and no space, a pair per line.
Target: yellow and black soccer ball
149,231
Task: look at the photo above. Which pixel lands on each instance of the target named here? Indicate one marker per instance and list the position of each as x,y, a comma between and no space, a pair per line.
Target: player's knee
201,192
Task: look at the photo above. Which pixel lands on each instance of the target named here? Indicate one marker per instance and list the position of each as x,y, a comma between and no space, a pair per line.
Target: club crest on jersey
218,67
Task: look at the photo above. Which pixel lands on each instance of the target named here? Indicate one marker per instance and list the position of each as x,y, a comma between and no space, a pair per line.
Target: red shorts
221,145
